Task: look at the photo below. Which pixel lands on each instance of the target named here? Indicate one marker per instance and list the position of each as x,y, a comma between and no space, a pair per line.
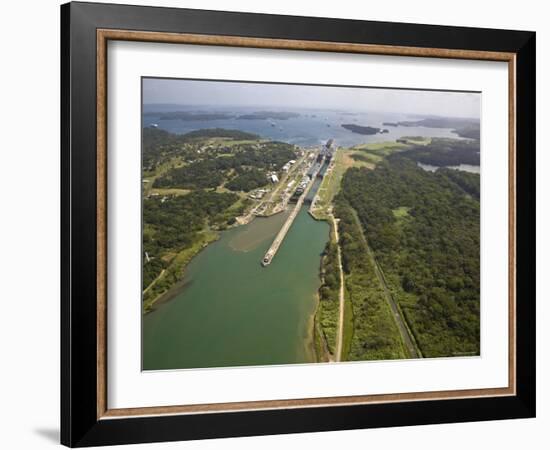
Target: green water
234,312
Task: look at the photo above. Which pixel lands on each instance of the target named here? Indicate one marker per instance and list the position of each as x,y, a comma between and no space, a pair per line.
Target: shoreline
149,305
166,294
171,291
318,331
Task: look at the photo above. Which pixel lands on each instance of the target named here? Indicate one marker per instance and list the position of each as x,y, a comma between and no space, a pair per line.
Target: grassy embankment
329,300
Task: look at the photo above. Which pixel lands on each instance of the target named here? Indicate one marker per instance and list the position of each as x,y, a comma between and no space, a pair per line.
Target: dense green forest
445,152
424,230
171,224
246,166
221,133
469,182
207,173
247,180
160,146
270,155
375,333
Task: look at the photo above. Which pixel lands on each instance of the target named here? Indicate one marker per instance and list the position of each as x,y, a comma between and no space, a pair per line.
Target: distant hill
464,127
444,152
221,132
188,115
265,115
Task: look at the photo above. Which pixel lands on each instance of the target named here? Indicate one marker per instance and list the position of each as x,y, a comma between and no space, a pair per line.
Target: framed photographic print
276,224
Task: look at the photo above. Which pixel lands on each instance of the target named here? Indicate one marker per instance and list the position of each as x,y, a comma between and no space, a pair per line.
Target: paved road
340,335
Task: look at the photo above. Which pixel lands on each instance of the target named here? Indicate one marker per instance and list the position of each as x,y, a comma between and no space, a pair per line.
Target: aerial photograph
301,224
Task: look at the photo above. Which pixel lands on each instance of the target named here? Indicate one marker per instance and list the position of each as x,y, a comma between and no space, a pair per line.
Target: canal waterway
231,311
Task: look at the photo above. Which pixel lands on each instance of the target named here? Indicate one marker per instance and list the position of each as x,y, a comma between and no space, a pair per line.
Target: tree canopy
430,255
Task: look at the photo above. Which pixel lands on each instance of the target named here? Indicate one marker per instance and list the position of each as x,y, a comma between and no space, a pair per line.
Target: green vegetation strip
348,326
375,334
329,301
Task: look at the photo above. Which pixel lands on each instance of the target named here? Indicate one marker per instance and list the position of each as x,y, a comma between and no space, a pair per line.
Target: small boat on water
154,125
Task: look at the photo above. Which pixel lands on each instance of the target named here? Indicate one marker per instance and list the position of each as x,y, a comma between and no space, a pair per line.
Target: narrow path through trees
408,340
